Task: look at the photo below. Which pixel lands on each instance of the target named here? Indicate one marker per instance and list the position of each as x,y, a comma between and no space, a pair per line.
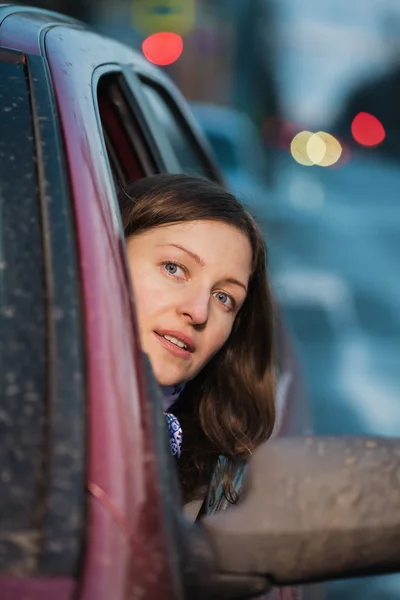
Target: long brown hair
229,407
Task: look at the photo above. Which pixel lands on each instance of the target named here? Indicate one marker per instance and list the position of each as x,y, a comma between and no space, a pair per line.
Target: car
238,149
90,503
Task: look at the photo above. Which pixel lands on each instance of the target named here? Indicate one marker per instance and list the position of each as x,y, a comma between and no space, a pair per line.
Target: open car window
129,150
191,157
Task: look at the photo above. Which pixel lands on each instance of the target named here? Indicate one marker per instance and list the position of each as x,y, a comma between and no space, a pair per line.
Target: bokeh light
316,149
333,149
320,148
367,130
298,148
163,48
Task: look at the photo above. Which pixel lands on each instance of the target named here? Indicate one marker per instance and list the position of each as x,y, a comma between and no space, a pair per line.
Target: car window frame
151,163
179,106
64,521
160,144
177,130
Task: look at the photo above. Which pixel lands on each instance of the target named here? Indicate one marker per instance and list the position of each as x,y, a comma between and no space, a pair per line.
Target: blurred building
229,57
229,48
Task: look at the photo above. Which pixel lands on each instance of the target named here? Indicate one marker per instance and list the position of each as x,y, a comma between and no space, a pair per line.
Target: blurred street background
300,101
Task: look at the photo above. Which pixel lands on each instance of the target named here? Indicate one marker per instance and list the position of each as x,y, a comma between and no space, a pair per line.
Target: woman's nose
195,305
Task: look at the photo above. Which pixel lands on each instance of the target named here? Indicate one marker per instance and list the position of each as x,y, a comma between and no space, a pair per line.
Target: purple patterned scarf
170,394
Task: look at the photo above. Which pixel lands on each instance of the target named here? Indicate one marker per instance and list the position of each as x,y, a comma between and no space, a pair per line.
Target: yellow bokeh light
333,149
316,149
319,148
298,148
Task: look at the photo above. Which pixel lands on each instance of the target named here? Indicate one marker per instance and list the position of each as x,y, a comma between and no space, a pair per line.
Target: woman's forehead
202,229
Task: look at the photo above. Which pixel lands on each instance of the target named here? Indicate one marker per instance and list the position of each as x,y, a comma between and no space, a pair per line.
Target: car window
128,150
41,359
190,157
23,375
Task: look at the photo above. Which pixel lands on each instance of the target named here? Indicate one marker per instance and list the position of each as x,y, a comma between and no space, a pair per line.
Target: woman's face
190,280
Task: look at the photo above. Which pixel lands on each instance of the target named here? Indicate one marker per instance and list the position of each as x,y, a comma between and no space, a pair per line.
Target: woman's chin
166,369
167,379
168,382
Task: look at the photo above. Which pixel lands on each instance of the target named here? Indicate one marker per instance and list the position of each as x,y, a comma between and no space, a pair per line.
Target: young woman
205,313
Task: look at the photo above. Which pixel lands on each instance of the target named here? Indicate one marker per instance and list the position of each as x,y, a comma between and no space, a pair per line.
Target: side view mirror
312,509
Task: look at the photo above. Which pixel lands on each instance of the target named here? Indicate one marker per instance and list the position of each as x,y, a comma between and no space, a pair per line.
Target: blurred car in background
238,149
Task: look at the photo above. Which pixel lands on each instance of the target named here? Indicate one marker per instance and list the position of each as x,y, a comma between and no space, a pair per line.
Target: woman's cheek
145,291
223,335
154,294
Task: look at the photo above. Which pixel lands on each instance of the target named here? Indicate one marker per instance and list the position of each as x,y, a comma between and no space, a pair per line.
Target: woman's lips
173,348
178,335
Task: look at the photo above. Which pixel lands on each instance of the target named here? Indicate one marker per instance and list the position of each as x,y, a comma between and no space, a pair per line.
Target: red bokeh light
367,129
163,48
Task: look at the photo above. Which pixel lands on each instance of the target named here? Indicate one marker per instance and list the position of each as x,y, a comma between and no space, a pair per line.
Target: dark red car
85,504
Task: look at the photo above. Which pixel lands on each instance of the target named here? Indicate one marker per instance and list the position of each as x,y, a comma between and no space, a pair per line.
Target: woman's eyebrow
201,262
236,282
195,257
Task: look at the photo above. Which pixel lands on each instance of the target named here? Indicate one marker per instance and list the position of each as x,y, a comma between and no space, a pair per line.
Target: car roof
9,9
41,18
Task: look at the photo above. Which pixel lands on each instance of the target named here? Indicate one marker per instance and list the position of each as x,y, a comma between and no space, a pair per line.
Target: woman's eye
173,269
225,299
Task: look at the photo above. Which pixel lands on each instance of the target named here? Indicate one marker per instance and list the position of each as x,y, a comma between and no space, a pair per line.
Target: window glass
179,136
22,313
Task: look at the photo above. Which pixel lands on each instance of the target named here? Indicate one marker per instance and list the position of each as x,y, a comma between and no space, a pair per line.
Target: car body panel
62,588
32,22
108,557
